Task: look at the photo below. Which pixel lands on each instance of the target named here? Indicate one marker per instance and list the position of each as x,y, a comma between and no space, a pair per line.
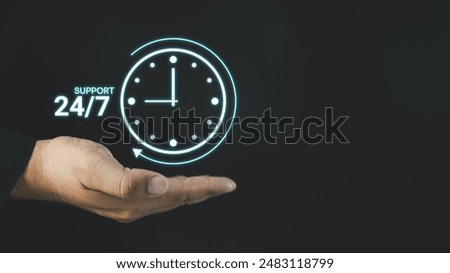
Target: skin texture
85,174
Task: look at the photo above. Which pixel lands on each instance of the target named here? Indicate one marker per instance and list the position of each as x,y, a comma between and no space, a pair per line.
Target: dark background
383,63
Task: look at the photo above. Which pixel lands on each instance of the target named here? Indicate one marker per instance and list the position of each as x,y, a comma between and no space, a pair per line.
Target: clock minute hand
173,87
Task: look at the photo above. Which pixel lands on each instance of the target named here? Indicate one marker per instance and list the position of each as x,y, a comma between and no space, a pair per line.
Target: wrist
32,184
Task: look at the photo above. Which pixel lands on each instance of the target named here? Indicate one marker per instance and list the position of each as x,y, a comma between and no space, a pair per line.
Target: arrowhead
137,152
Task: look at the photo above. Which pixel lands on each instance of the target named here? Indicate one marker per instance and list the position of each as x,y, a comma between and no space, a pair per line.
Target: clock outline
178,46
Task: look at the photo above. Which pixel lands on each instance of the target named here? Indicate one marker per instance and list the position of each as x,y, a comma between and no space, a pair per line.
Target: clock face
178,101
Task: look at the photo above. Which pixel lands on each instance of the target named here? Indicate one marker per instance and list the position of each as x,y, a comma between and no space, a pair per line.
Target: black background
383,63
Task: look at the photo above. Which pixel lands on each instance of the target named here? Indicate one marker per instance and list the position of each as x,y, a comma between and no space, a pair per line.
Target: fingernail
230,185
157,185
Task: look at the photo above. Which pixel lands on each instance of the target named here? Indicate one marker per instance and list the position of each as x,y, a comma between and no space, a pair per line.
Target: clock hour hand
161,101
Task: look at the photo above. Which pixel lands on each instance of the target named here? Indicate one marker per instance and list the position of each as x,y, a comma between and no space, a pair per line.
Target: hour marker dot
209,122
131,101
194,137
209,80
136,122
215,101
152,65
152,137
137,80
194,65
173,142
173,59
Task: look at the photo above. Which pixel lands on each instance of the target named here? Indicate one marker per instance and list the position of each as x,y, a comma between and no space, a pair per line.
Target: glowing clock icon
178,101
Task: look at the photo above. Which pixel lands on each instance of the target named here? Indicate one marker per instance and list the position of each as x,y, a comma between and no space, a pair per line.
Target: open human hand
85,174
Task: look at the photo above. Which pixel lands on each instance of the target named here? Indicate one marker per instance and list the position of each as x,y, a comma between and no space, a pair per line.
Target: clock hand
173,87
160,101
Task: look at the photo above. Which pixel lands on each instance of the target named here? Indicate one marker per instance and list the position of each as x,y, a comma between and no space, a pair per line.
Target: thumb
110,177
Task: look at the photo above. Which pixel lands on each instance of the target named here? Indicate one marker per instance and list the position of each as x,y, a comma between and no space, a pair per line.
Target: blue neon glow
234,94
221,84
